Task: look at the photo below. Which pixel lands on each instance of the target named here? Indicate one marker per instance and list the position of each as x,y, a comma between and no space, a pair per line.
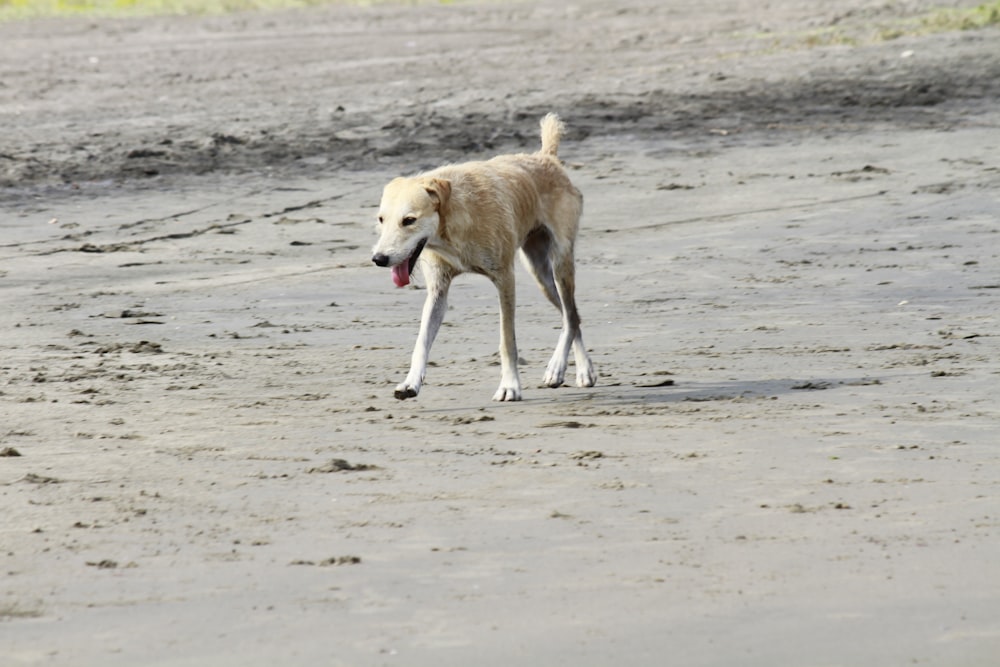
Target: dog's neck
442,230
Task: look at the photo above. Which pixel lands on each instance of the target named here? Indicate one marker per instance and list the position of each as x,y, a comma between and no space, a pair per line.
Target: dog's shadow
646,391
622,393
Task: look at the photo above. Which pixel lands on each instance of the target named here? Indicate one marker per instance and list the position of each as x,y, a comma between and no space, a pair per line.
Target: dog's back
513,194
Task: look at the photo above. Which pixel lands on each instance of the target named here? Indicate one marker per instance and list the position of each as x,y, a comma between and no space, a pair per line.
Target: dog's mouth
401,272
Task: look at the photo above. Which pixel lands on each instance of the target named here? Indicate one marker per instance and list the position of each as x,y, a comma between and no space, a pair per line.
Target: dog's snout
380,259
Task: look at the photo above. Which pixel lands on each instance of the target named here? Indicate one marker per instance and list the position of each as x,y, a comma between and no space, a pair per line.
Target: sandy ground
789,279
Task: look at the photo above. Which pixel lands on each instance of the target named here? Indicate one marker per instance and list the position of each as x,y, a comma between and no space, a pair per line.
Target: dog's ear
440,190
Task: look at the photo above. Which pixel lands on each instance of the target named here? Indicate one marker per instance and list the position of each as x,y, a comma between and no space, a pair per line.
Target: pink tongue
401,274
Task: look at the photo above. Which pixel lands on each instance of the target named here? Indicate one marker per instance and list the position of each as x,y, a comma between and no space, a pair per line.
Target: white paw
508,393
555,372
586,376
554,377
407,390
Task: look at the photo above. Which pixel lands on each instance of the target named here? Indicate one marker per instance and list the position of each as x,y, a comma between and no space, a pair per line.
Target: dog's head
409,217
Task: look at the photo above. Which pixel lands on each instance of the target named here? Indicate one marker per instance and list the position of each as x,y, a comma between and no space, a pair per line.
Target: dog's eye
380,220
407,221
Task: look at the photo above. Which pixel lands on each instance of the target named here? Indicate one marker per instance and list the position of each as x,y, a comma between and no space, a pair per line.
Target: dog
475,217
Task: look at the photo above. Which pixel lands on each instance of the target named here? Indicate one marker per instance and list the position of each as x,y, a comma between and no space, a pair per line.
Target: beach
787,271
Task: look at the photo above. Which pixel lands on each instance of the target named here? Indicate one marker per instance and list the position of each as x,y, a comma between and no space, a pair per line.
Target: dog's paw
586,376
405,391
554,374
552,380
505,393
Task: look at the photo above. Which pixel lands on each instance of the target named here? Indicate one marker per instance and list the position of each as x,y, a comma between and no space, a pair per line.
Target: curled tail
552,131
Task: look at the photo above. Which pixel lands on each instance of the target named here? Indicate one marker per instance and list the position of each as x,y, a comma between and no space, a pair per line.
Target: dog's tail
552,131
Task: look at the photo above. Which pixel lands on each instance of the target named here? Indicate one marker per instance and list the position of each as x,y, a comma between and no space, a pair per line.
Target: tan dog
474,217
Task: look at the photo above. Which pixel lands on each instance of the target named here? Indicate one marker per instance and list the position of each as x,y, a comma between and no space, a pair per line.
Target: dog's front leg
510,381
430,321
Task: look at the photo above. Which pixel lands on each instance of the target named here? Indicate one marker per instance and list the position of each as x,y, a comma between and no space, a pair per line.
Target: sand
788,278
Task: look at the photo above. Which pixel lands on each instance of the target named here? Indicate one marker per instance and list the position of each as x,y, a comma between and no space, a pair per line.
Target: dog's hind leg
435,306
566,282
559,286
535,257
571,333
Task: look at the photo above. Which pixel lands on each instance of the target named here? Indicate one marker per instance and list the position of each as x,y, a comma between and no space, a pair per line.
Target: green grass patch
25,9
981,16
943,20
13,610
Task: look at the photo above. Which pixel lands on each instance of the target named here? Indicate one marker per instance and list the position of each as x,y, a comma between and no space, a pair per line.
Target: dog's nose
381,259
